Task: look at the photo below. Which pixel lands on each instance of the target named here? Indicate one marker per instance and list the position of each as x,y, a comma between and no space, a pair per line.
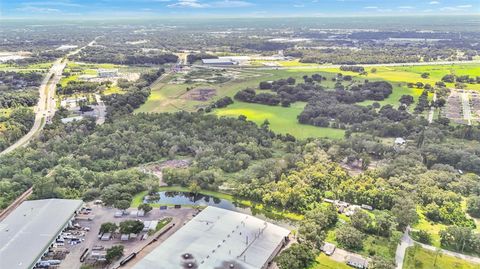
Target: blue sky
231,8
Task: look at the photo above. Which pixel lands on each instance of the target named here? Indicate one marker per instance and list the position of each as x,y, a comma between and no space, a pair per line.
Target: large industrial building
27,233
219,238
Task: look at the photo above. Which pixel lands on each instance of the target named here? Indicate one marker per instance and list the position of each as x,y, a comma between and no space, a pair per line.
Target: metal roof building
218,238
219,62
27,232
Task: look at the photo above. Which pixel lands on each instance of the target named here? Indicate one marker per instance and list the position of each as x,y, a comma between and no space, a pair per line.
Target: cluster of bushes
191,58
450,78
135,95
352,68
16,125
79,87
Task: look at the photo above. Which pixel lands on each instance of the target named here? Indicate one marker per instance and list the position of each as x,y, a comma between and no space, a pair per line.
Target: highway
45,108
46,105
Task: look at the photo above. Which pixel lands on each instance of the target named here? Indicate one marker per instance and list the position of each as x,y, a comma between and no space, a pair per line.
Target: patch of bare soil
200,94
156,169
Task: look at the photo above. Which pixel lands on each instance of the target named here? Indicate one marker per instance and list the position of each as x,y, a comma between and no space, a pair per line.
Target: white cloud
231,4
218,4
188,3
371,7
298,5
434,3
456,8
33,9
405,7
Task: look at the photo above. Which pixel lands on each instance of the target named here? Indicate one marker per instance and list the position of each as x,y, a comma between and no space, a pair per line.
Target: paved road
467,113
407,241
432,109
101,110
45,108
46,105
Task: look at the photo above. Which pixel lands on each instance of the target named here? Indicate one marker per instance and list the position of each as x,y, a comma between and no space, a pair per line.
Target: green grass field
419,258
167,97
282,119
325,262
412,74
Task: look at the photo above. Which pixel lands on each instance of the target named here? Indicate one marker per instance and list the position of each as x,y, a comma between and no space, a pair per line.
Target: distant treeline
19,89
118,55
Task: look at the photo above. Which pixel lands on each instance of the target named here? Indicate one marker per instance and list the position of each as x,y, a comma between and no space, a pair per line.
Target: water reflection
191,199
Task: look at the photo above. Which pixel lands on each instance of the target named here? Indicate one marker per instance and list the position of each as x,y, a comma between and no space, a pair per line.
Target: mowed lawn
419,258
325,262
282,119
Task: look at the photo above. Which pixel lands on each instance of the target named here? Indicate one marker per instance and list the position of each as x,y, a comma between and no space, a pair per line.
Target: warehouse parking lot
100,214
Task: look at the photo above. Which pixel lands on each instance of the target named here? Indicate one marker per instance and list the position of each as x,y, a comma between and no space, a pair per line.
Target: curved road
407,241
46,105
45,108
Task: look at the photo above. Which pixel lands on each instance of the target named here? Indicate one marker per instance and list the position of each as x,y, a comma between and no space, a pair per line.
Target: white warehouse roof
219,61
218,238
27,232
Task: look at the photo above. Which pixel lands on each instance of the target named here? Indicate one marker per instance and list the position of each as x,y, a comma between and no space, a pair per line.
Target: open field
425,259
432,228
325,262
167,97
372,245
282,119
413,73
171,97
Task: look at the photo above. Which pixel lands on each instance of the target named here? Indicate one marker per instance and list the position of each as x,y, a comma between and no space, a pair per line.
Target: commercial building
30,230
219,238
107,73
357,262
219,62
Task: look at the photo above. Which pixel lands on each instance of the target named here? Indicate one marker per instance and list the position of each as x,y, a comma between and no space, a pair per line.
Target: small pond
185,198
190,199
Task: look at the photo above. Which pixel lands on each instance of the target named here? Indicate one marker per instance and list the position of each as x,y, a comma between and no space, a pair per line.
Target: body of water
190,199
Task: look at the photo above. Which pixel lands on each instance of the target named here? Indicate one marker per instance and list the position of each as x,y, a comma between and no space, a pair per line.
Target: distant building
357,262
107,73
218,238
106,237
328,248
367,207
72,102
32,228
219,62
71,119
400,141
